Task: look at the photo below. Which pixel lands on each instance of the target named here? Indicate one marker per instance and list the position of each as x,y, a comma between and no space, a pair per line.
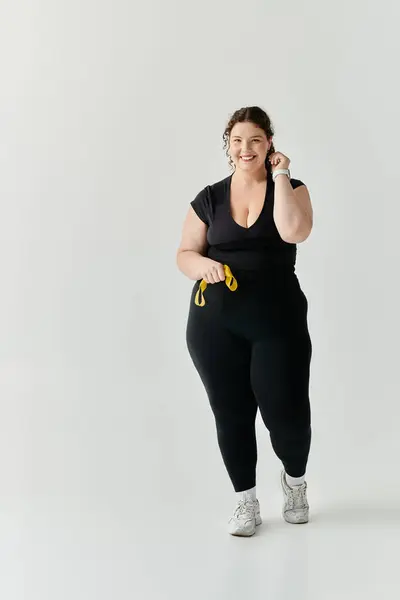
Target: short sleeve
202,206
296,183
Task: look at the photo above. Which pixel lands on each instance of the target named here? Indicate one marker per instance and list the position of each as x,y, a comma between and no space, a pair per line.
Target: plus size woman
247,331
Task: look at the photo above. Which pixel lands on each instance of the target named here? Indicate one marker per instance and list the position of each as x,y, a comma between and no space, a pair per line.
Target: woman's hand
279,161
211,271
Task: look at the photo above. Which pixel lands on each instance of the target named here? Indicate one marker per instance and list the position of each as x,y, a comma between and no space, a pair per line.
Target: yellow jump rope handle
230,283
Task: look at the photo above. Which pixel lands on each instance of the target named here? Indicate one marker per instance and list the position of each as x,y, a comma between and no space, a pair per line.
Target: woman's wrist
279,172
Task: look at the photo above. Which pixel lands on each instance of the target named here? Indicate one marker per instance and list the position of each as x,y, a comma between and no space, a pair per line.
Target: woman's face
248,146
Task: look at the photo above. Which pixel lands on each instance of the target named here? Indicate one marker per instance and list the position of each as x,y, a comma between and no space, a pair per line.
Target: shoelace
230,283
297,497
245,508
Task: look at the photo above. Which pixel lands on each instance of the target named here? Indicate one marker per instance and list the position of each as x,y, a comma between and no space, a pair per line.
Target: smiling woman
249,338
250,148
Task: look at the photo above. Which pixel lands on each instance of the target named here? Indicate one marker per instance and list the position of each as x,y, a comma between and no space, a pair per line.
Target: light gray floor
167,539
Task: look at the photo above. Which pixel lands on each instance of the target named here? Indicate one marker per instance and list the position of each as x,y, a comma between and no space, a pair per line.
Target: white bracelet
280,172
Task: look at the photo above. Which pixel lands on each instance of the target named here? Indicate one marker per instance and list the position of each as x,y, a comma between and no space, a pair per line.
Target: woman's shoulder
296,182
208,197
220,186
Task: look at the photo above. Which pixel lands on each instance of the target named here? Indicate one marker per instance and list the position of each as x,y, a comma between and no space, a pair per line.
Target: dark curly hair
252,114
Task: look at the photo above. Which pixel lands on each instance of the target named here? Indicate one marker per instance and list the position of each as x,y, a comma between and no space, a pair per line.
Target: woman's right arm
190,256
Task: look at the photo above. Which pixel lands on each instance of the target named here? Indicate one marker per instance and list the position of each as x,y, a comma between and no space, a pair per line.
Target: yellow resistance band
230,283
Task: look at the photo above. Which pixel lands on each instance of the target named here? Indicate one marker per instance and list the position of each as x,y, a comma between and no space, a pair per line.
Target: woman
247,330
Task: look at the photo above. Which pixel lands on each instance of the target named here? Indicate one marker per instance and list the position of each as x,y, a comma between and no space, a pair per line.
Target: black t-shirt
258,247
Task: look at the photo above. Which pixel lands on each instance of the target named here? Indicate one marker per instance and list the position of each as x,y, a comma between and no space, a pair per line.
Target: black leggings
252,349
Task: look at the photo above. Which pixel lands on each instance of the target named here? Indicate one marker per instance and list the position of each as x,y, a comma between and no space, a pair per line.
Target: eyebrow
252,137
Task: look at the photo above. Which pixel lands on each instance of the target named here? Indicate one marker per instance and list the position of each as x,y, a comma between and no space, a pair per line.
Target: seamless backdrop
112,114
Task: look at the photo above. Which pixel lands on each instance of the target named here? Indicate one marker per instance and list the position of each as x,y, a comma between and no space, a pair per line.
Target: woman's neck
247,179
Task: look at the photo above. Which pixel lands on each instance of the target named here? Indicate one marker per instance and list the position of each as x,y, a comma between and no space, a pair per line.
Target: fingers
275,159
221,273
215,274
211,277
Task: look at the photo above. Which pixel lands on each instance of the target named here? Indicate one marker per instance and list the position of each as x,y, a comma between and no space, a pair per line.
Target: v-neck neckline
268,190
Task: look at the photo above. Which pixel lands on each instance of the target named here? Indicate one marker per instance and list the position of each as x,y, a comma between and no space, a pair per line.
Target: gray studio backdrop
112,116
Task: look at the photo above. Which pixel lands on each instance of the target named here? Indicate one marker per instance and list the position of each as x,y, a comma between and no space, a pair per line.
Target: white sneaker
295,509
245,518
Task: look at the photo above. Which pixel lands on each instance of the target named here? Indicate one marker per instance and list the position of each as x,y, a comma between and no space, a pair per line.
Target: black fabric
258,247
252,350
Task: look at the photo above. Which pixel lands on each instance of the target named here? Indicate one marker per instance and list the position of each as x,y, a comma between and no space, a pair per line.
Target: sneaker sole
248,533
294,522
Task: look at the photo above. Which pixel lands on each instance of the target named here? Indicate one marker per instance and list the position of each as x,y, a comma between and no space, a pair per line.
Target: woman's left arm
293,213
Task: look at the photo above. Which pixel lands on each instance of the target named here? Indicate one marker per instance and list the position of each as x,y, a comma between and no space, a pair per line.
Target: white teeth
247,157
